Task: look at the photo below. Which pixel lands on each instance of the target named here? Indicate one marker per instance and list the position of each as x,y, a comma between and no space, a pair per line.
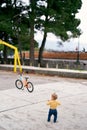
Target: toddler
53,103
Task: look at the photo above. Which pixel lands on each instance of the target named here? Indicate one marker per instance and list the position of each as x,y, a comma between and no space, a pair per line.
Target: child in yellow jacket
53,103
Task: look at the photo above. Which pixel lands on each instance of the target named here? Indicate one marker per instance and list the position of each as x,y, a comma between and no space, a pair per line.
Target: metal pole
78,56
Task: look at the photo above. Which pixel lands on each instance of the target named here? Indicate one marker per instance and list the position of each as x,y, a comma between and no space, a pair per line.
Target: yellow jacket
53,104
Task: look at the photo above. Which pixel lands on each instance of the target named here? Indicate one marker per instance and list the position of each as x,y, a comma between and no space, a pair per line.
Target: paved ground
21,110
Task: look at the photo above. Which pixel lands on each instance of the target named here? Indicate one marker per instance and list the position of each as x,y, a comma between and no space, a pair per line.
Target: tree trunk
32,45
5,49
32,17
20,48
5,54
42,49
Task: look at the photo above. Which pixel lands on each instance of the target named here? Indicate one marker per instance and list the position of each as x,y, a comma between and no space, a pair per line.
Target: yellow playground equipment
16,55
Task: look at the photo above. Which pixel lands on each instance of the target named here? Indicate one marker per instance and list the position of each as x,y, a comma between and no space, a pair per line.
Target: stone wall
55,63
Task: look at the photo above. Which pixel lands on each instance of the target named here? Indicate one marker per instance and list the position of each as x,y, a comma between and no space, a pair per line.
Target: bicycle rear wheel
18,84
30,87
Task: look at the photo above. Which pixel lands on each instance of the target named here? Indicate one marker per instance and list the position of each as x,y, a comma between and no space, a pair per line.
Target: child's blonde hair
54,96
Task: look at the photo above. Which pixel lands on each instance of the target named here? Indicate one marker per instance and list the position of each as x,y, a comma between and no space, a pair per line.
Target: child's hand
48,102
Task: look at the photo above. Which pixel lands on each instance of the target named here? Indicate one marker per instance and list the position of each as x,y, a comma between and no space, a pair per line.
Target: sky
83,16
51,42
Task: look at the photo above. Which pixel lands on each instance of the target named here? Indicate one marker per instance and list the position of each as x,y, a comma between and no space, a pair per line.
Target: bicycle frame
23,82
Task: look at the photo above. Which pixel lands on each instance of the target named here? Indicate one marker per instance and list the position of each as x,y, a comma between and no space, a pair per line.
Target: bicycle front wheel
30,87
18,84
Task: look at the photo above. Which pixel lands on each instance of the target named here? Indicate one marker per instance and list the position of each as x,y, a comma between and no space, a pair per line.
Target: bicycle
20,83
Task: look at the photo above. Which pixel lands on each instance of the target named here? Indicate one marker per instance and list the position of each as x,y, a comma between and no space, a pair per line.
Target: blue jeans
54,113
